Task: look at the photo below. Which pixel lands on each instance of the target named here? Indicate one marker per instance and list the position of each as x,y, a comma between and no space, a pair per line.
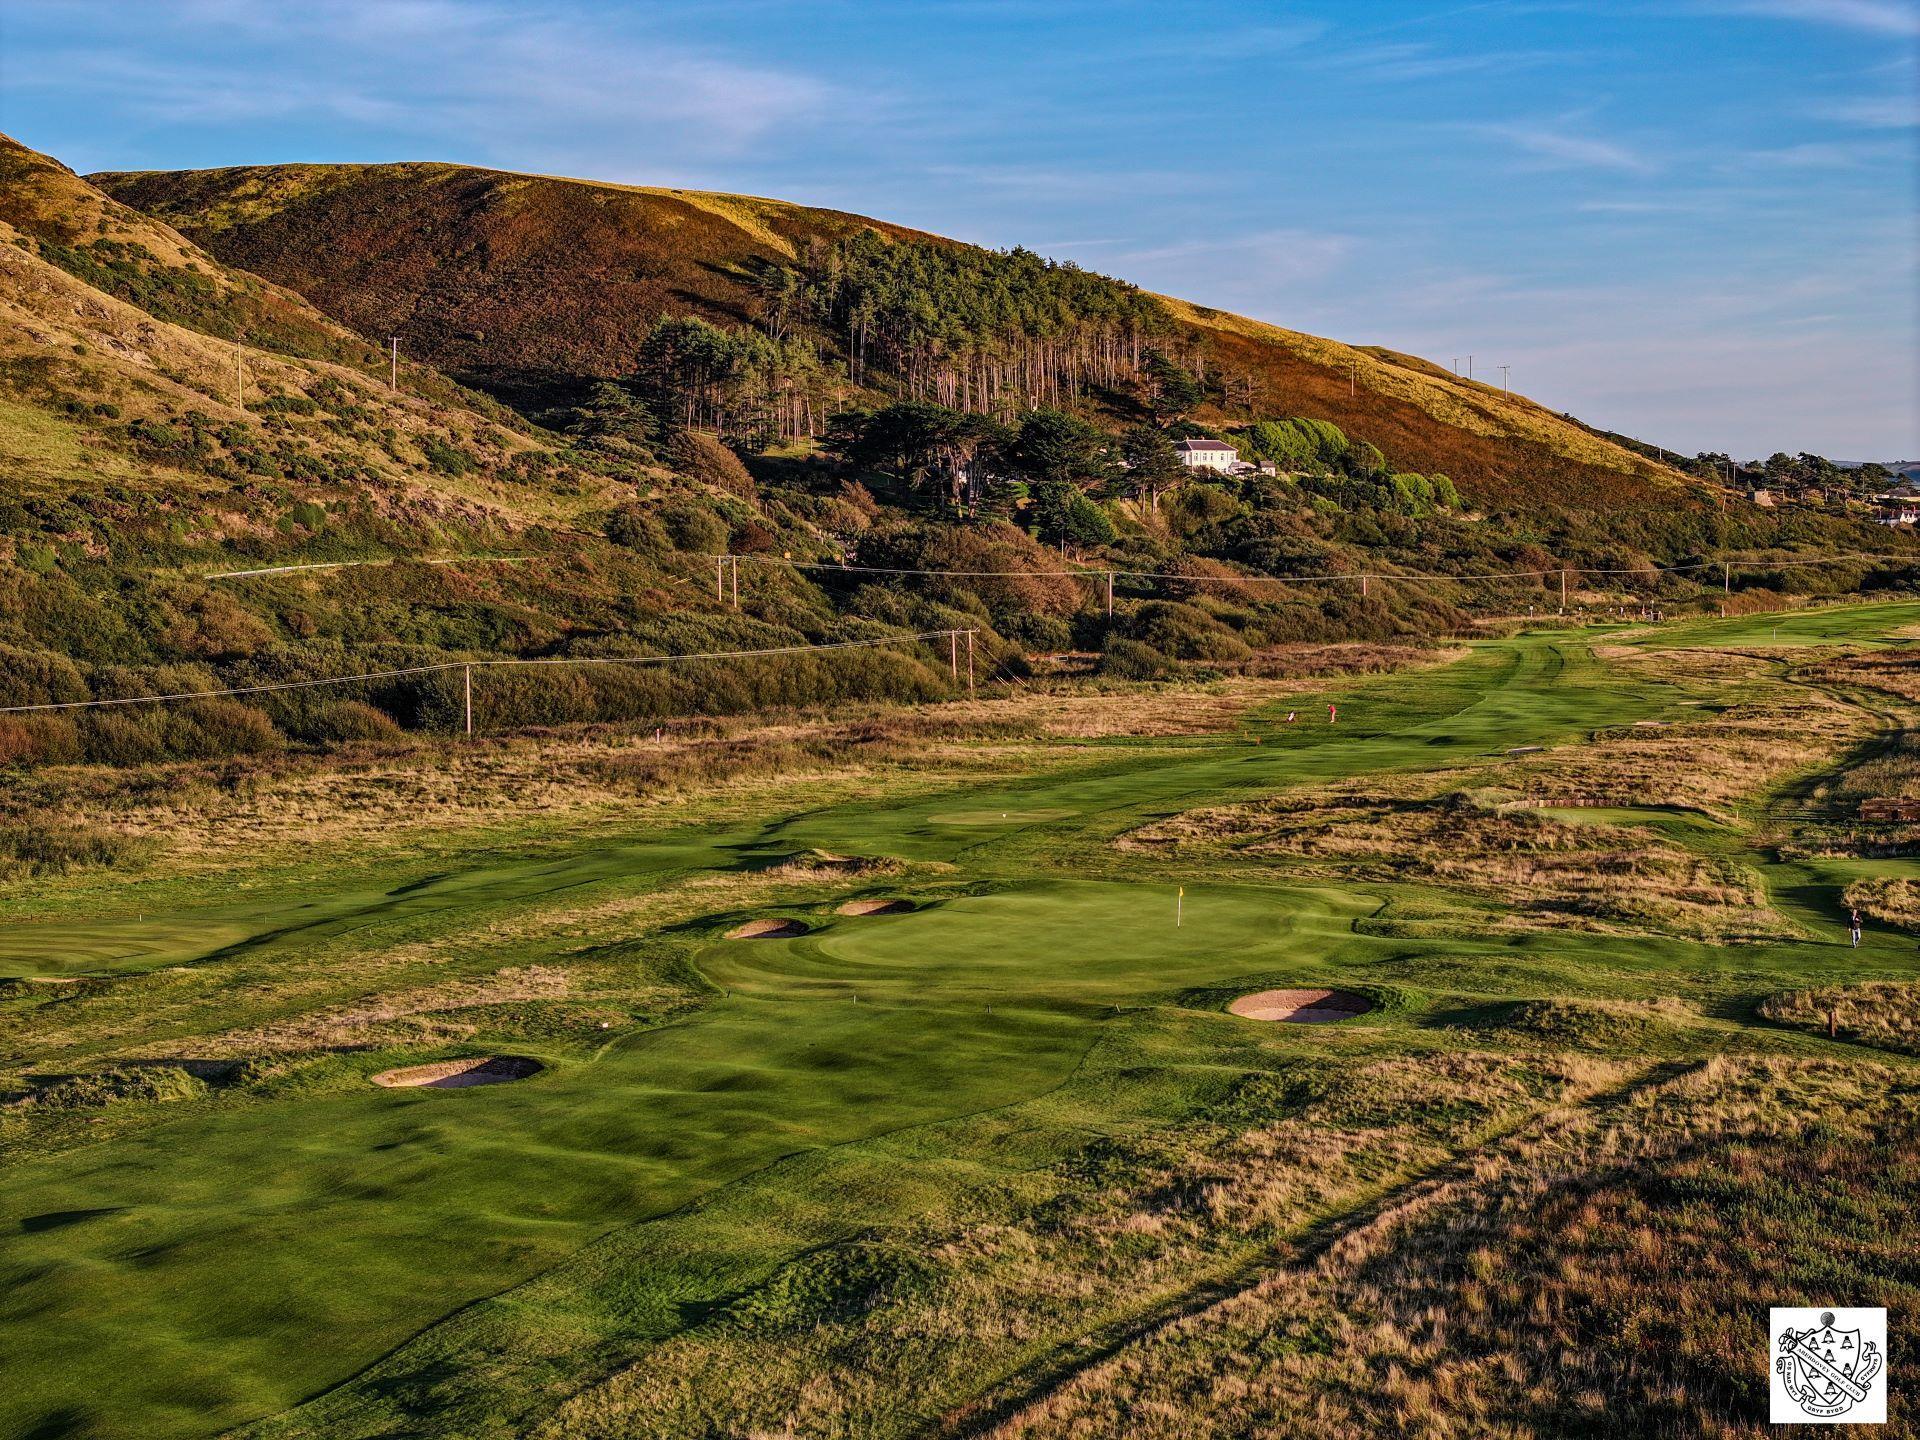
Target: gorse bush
1184,632
1126,659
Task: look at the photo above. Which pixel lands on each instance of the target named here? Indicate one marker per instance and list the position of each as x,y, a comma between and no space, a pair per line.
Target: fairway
334,1257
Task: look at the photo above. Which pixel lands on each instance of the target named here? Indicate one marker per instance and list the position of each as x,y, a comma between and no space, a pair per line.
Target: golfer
1856,929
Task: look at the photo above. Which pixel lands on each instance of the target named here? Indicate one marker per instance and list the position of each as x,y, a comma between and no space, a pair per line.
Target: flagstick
1179,906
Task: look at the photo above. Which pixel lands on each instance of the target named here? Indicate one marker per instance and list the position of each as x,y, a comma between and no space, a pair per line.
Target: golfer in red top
1333,713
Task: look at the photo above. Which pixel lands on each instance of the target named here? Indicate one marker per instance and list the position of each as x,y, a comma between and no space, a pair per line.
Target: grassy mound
1597,1025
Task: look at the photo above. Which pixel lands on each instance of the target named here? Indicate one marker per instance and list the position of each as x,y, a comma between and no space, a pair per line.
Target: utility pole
736,582
1109,594
719,579
239,379
1469,367
953,655
467,675
1563,590
1456,367
969,664
1506,377
393,372
1353,376
1363,587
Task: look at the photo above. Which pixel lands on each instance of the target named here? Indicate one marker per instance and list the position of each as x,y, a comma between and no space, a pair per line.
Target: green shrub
1037,632
631,526
1126,659
693,527
1184,632
335,722
447,459
701,457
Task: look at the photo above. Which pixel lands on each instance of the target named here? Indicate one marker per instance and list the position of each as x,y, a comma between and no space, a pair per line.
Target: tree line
975,331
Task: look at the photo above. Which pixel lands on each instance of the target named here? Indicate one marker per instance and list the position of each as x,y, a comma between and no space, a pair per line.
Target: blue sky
1694,220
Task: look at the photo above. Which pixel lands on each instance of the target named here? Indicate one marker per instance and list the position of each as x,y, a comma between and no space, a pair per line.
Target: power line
350,564
1102,572
498,662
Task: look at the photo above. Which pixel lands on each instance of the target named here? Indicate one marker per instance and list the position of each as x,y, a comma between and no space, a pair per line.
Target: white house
1204,454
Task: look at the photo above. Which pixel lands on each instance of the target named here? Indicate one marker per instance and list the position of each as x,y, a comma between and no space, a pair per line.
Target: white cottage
1204,454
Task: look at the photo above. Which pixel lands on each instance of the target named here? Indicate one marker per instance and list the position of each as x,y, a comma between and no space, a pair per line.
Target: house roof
1201,445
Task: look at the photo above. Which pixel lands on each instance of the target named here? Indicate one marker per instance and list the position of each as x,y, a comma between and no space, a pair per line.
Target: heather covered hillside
532,287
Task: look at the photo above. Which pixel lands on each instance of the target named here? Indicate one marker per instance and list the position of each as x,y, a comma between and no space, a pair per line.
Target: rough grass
1554,872
829,1344
1606,1276
383,792
39,844
1891,899
1884,1014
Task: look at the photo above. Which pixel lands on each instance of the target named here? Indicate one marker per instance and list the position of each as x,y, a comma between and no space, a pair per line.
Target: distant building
1764,499
1896,509
1205,454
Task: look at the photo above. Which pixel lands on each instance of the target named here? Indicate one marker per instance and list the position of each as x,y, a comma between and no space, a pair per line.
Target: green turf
225,1265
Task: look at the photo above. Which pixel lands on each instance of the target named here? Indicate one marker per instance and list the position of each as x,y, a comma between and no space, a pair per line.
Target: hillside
207,482
522,284
144,455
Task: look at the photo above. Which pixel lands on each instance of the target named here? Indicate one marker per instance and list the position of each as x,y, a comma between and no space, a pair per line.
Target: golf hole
875,907
1301,1007
770,929
460,1074
999,817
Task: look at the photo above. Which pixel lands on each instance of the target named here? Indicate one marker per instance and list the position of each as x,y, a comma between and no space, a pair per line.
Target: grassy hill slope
144,455
507,281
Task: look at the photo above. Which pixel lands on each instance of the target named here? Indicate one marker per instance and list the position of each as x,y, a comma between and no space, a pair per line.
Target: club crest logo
1828,1366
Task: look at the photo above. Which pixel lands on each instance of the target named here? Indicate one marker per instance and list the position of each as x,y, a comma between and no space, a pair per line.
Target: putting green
997,817
236,1261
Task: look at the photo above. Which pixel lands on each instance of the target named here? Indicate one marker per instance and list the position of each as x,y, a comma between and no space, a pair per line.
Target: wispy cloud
1816,155
1557,146
1281,256
1402,61
1874,112
1641,207
520,84
1881,17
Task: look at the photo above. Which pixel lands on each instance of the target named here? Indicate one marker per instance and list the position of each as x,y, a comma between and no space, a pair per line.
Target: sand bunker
772,929
460,1074
875,907
1301,1007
